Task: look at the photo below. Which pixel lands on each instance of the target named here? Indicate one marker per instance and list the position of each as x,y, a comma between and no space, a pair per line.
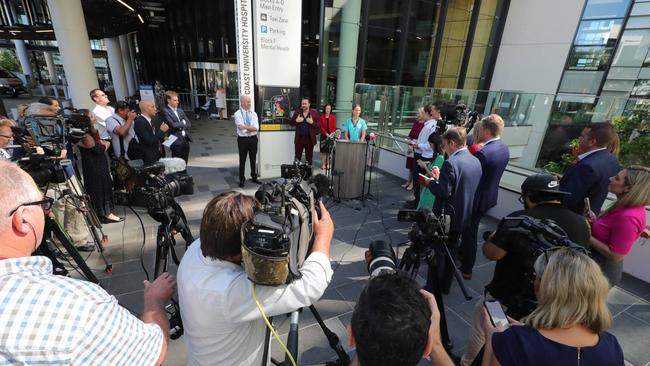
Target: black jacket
149,139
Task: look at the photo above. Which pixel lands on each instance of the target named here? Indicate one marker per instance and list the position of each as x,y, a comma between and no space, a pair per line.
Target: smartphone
587,204
497,316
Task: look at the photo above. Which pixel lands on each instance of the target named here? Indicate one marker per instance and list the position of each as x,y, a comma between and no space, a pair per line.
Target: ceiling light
141,20
125,5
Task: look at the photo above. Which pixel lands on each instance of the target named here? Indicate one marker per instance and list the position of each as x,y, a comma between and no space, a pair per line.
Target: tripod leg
292,338
162,251
65,241
332,338
434,287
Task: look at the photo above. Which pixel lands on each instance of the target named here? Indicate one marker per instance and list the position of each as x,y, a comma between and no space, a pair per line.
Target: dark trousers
181,149
469,243
416,171
304,142
443,272
247,146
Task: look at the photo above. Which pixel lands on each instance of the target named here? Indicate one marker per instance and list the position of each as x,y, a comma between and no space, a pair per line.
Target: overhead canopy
30,19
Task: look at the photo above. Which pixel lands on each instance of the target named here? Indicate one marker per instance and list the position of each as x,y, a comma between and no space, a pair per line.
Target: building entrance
214,87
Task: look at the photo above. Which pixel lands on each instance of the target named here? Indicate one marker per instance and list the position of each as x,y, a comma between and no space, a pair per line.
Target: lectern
348,174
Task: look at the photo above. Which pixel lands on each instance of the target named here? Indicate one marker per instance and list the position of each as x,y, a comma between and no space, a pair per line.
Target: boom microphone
320,184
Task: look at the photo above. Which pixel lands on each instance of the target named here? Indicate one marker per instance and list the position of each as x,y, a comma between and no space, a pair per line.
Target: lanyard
247,117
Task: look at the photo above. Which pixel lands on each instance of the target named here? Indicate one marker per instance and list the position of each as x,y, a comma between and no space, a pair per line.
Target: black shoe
241,184
86,248
256,181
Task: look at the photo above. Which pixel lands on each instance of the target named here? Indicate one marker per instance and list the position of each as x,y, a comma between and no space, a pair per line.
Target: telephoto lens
383,258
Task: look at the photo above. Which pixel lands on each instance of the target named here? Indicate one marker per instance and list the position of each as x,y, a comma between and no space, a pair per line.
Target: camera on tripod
427,228
277,240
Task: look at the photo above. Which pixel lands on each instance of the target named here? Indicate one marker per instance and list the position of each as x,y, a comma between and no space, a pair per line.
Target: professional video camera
277,240
539,234
150,188
454,113
297,170
427,228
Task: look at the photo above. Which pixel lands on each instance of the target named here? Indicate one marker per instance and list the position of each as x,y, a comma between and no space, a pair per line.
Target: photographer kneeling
515,253
223,325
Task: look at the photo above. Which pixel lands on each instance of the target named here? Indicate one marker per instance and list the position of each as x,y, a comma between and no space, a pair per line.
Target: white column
51,67
128,66
131,42
21,52
116,65
72,37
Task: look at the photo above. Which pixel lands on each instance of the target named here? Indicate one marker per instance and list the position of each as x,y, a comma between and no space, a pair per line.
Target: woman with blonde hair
616,229
569,325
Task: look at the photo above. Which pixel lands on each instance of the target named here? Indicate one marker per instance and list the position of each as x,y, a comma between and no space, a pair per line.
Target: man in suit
179,123
454,186
307,123
494,158
589,177
149,137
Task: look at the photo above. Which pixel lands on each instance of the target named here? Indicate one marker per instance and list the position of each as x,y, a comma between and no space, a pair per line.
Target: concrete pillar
21,52
350,23
51,67
116,64
128,65
72,37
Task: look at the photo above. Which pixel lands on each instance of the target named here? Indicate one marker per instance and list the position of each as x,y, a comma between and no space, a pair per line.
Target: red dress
413,135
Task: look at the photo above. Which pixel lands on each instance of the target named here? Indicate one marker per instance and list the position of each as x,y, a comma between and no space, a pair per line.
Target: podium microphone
371,137
337,134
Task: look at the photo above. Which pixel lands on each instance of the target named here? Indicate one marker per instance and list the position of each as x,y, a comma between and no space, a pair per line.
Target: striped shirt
54,320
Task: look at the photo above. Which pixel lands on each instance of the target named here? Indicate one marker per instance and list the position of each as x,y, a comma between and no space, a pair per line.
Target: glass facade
608,52
422,43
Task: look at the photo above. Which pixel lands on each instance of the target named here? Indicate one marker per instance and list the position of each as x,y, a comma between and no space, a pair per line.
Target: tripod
172,222
52,227
292,341
419,252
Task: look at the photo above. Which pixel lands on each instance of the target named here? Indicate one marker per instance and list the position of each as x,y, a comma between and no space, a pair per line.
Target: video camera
454,113
543,234
149,187
277,240
428,228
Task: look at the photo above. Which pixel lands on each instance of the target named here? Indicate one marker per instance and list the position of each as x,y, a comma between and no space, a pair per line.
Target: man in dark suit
454,186
179,124
307,123
148,135
494,156
589,177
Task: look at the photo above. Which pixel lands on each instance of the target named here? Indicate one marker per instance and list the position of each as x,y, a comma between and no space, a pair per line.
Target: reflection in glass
641,89
582,82
482,41
633,48
453,43
598,32
640,9
605,9
589,58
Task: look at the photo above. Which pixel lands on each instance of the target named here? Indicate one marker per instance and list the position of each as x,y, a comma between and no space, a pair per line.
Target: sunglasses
46,204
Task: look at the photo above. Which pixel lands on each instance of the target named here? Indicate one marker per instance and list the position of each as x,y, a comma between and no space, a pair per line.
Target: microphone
173,165
320,185
371,137
337,134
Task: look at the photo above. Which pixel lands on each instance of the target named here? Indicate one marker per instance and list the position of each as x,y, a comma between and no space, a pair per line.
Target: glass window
629,73
633,48
640,9
641,89
645,73
619,85
605,9
638,22
582,82
385,13
589,58
598,32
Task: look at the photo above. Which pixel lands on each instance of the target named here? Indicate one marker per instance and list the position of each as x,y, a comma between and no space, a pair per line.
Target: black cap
543,182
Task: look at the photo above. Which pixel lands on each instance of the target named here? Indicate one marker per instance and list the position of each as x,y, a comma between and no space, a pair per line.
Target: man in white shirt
101,111
422,149
247,127
120,126
223,325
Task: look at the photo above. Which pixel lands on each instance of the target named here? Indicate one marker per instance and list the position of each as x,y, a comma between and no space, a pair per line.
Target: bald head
245,101
17,188
148,108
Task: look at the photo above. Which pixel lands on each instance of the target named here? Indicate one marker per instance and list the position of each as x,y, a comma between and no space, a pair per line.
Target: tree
9,61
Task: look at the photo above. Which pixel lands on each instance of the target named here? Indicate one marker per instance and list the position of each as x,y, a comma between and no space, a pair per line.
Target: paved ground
213,163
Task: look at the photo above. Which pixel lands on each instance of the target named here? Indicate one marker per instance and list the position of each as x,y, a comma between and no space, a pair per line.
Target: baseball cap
542,182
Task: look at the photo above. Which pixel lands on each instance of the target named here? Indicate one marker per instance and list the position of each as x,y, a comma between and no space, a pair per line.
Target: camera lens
383,258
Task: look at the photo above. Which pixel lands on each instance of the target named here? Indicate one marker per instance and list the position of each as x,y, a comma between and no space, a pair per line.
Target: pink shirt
620,228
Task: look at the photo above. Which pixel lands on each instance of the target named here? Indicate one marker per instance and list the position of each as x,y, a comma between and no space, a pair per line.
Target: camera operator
6,136
223,325
396,323
120,126
59,320
512,284
148,135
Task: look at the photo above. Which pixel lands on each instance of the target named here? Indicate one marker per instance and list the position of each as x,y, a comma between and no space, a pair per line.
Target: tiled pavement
213,163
